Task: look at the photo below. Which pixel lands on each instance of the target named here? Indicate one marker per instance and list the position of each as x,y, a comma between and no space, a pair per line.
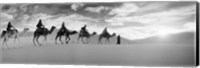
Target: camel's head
74,32
52,28
94,33
26,29
114,34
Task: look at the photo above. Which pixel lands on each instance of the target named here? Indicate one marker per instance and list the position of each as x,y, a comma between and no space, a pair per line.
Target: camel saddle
84,32
41,30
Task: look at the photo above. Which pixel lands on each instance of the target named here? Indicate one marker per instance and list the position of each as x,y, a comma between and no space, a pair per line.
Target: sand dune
94,54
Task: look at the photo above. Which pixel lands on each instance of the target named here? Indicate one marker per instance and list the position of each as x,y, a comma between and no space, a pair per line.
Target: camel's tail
3,34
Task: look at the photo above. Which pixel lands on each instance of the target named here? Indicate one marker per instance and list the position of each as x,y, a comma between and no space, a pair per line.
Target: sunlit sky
132,20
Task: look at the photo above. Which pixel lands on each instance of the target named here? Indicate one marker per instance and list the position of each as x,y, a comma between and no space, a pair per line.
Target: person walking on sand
118,40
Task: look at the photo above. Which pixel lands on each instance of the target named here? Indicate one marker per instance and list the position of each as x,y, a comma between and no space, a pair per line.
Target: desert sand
94,54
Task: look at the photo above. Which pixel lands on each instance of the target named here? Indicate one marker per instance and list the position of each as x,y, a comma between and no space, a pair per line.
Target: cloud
120,21
142,32
169,16
6,16
133,33
76,6
162,17
167,20
4,19
97,9
125,9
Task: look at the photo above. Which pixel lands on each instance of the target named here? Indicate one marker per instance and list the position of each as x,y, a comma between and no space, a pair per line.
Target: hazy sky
133,20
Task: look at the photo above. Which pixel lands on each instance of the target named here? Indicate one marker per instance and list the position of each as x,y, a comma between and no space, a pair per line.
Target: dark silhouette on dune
118,39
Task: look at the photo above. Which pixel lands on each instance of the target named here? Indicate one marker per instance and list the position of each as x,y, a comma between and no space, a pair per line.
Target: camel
87,35
107,36
42,32
14,33
67,35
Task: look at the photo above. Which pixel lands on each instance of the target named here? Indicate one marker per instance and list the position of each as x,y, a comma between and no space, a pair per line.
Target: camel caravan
11,32
41,30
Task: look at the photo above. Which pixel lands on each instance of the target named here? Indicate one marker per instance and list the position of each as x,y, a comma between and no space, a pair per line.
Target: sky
131,20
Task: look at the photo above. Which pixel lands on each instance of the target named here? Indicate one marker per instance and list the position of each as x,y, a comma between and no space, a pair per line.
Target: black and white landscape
152,33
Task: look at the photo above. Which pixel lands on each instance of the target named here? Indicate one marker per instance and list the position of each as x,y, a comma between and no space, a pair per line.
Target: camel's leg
78,38
38,41
34,40
45,39
15,39
99,41
18,41
60,39
85,40
56,39
18,38
5,42
2,45
68,39
108,40
82,40
88,40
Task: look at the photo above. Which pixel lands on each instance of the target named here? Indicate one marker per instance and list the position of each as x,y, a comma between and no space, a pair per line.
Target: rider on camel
105,31
9,26
84,28
40,25
63,28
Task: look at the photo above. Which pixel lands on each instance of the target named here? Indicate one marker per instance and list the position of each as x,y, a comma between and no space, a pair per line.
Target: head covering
63,23
9,24
40,21
85,25
105,28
